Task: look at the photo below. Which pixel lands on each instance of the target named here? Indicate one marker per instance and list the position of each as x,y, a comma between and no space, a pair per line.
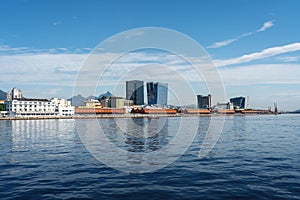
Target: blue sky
254,44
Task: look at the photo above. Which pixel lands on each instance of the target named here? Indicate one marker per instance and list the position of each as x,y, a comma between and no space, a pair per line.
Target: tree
1,107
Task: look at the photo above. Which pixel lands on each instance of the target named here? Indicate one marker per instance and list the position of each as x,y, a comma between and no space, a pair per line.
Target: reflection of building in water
41,134
5,137
146,135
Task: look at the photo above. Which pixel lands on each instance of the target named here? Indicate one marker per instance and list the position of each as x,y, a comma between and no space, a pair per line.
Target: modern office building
157,93
238,102
204,102
135,91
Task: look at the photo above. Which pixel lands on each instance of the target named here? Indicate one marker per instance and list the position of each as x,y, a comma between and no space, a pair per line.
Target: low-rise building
224,106
91,104
17,106
63,107
30,107
116,102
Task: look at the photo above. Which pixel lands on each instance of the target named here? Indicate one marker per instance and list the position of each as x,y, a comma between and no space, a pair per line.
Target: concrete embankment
129,115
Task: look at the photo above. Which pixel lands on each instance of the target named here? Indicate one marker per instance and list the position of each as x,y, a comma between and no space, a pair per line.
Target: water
256,157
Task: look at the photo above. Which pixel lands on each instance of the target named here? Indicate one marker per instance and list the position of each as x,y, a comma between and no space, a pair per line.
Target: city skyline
257,55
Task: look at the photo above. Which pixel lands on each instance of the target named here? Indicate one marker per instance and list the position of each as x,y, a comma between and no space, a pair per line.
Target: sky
254,44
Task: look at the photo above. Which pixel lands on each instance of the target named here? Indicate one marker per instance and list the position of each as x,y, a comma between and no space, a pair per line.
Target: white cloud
42,68
6,48
259,55
261,74
289,58
229,41
223,43
266,26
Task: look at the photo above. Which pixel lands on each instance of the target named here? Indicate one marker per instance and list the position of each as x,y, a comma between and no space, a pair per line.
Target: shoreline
129,115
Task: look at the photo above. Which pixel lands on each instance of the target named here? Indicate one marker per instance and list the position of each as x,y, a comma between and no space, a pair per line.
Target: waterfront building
204,102
238,102
128,103
30,107
63,107
105,102
16,94
92,103
135,91
224,106
116,102
157,93
18,106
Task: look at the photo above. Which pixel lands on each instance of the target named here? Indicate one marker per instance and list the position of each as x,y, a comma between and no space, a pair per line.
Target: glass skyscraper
135,91
157,93
238,102
204,102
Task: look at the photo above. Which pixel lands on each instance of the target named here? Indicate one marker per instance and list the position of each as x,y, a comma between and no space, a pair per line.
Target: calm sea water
256,157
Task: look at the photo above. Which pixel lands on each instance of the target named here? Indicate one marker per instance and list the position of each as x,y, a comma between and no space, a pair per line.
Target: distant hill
77,100
91,97
296,111
2,95
107,94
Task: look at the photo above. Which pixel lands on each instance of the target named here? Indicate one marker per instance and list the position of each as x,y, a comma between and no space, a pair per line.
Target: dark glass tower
135,91
238,102
157,93
204,102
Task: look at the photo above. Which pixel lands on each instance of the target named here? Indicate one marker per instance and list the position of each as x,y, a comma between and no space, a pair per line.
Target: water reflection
35,134
149,137
6,140
137,134
137,144
35,138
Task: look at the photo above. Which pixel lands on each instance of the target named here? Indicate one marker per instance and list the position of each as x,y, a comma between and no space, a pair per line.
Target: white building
63,107
18,106
30,107
16,94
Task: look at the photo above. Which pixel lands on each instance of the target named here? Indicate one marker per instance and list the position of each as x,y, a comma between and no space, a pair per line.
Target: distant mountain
77,100
296,111
2,95
91,97
107,94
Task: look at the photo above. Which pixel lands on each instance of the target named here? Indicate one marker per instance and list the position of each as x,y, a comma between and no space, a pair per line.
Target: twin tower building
157,92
